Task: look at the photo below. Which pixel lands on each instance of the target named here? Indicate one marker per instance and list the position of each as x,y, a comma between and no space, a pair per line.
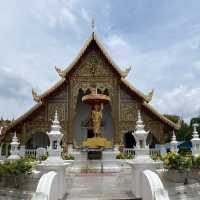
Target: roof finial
93,24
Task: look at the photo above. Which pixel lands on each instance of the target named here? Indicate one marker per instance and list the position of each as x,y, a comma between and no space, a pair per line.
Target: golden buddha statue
96,120
96,101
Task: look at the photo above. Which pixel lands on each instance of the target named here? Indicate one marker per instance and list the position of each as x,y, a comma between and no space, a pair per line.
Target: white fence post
22,151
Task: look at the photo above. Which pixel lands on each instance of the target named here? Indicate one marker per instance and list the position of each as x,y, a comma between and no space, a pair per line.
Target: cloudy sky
160,39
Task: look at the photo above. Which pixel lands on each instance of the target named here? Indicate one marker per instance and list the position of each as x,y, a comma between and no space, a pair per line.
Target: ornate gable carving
128,111
39,116
93,65
124,95
60,107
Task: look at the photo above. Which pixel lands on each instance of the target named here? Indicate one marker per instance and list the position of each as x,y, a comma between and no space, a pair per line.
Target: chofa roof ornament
60,72
126,71
149,96
179,123
36,97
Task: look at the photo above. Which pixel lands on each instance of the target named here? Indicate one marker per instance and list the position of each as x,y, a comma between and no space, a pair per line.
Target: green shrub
196,162
173,160
156,157
30,158
15,167
184,151
185,162
120,156
68,157
124,156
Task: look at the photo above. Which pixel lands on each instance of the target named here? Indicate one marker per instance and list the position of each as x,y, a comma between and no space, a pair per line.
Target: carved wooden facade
92,69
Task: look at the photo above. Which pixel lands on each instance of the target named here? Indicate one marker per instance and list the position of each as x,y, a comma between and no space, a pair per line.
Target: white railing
30,152
152,187
47,188
51,185
129,151
152,152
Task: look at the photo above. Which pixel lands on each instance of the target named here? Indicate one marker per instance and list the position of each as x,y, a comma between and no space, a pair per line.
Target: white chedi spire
174,137
14,152
195,141
55,137
140,134
174,143
55,127
195,134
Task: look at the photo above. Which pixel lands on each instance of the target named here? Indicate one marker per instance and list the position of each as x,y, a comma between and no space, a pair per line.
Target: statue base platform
97,142
84,163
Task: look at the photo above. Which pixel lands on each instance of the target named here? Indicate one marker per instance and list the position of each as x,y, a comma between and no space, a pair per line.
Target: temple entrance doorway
129,140
151,140
38,140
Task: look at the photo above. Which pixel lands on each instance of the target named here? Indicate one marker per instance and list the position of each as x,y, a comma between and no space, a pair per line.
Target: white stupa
142,160
14,152
174,143
140,135
55,137
195,141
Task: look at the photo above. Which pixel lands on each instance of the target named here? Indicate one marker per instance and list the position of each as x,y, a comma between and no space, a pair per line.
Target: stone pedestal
107,163
79,155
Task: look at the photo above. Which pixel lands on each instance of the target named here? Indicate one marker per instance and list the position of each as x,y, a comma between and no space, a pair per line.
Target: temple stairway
99,186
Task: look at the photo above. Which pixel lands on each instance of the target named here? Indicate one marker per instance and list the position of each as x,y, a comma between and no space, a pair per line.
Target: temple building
92,68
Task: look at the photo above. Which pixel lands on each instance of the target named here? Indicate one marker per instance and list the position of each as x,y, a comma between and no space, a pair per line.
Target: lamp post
195,141
55,136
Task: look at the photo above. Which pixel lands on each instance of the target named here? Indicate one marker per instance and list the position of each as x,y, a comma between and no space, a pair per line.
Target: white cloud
67,15
85,15
116,41
182,101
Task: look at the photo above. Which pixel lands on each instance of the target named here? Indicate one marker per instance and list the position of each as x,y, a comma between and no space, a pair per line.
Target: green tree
184,133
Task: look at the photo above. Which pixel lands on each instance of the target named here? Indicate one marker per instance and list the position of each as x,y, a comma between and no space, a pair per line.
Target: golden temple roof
93,37
22,117
64,73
